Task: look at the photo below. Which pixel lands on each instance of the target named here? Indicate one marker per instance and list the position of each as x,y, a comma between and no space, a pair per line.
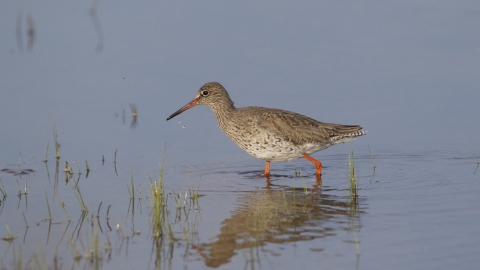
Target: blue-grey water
407,71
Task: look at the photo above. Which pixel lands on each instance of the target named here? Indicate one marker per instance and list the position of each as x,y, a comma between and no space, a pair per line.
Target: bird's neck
223,110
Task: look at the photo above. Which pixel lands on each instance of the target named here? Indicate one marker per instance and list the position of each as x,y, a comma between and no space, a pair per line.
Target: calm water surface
407,72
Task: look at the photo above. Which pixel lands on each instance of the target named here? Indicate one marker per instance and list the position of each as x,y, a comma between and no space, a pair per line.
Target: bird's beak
191,104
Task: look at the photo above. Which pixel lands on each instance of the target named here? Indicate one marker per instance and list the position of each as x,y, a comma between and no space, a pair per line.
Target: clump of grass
160,225
55,139
158,203
353,198
353,181
194,195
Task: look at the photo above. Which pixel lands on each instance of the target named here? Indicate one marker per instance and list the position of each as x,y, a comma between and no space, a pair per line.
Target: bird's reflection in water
280,217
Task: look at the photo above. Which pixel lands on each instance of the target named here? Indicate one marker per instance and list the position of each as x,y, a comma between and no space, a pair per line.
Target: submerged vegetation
92,244
352,177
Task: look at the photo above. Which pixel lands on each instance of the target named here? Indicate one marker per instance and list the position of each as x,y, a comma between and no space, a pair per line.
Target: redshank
271,134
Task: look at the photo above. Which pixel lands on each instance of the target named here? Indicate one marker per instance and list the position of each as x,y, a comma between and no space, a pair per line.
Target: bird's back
279,135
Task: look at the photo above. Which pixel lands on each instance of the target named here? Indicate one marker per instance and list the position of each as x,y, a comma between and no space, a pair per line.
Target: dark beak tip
193,103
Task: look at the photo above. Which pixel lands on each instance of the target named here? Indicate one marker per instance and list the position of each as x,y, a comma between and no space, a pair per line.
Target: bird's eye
205,93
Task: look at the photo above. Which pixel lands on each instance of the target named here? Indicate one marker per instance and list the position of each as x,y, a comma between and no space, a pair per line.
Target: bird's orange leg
317,163
266,174
267,169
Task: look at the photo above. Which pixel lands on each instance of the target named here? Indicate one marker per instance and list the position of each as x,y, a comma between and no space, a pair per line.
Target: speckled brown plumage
271,134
